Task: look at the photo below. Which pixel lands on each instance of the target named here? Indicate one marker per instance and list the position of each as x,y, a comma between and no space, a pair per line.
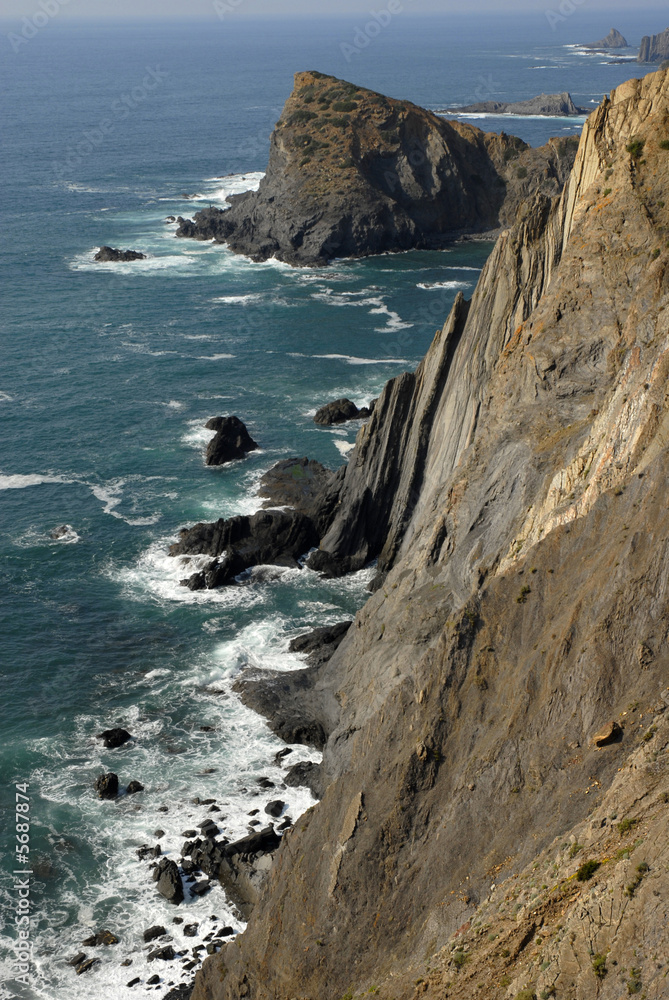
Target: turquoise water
109,373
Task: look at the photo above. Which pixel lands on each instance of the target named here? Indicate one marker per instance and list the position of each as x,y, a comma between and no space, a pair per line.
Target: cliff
654,48
471,765
614,40
352,173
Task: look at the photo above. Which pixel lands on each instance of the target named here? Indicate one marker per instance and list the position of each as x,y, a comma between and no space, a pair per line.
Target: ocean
109,373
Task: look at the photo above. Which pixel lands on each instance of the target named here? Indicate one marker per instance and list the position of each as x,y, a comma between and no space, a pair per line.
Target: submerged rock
231,441
106,254
100,938
134,787
114,738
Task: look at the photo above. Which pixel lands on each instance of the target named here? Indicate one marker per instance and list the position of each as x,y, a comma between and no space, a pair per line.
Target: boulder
154,932
107,786
337,412
100,938
610,733
76,959
106,254
86,965
169,881
190,930
114,738
165,954
275,808
231,441
133,787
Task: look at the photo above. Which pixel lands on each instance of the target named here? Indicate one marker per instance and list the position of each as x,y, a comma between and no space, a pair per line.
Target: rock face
545,104
654,48
525,607
353,173
614,40
231,441
106,254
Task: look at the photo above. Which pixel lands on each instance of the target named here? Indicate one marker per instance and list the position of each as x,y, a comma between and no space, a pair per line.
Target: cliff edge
494,821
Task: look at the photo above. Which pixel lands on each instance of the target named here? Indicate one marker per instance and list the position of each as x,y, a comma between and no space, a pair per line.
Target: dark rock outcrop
306,774
166,874
231,441
337,412
296,483
106,785
134,787
269,537
100,938
106,254
154,932
114,738
320,644
614,40
654,48
353,173
544,104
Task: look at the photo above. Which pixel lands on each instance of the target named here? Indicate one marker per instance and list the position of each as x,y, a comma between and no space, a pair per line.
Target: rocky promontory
545,104
353,173
614,40
654,48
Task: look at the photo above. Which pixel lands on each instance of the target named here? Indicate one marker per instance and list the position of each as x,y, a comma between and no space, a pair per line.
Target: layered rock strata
525,607
654,48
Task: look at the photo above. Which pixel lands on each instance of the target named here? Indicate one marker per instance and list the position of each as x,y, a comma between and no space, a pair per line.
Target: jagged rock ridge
544,104
353,173
654,48
525,607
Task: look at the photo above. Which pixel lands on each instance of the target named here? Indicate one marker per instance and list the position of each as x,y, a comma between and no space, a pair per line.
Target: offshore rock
614,40
545,104
337,412
654,48
114,737
169,881
106,254
231,441
353,173
107,786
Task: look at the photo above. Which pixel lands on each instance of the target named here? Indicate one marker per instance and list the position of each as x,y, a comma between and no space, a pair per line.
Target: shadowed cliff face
353,173
526,543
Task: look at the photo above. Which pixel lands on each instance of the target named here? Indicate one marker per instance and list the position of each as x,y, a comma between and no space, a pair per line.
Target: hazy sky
203,9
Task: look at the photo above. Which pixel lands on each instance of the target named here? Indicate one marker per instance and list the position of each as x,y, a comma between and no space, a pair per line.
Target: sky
244,9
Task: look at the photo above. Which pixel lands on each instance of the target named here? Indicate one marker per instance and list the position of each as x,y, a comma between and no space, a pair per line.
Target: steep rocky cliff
654,48
472,768
353,173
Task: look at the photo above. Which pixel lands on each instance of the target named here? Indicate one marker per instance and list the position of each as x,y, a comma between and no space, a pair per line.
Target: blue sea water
108,375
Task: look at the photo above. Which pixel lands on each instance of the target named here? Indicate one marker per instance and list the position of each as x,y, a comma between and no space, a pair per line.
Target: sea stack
614,40
654,48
